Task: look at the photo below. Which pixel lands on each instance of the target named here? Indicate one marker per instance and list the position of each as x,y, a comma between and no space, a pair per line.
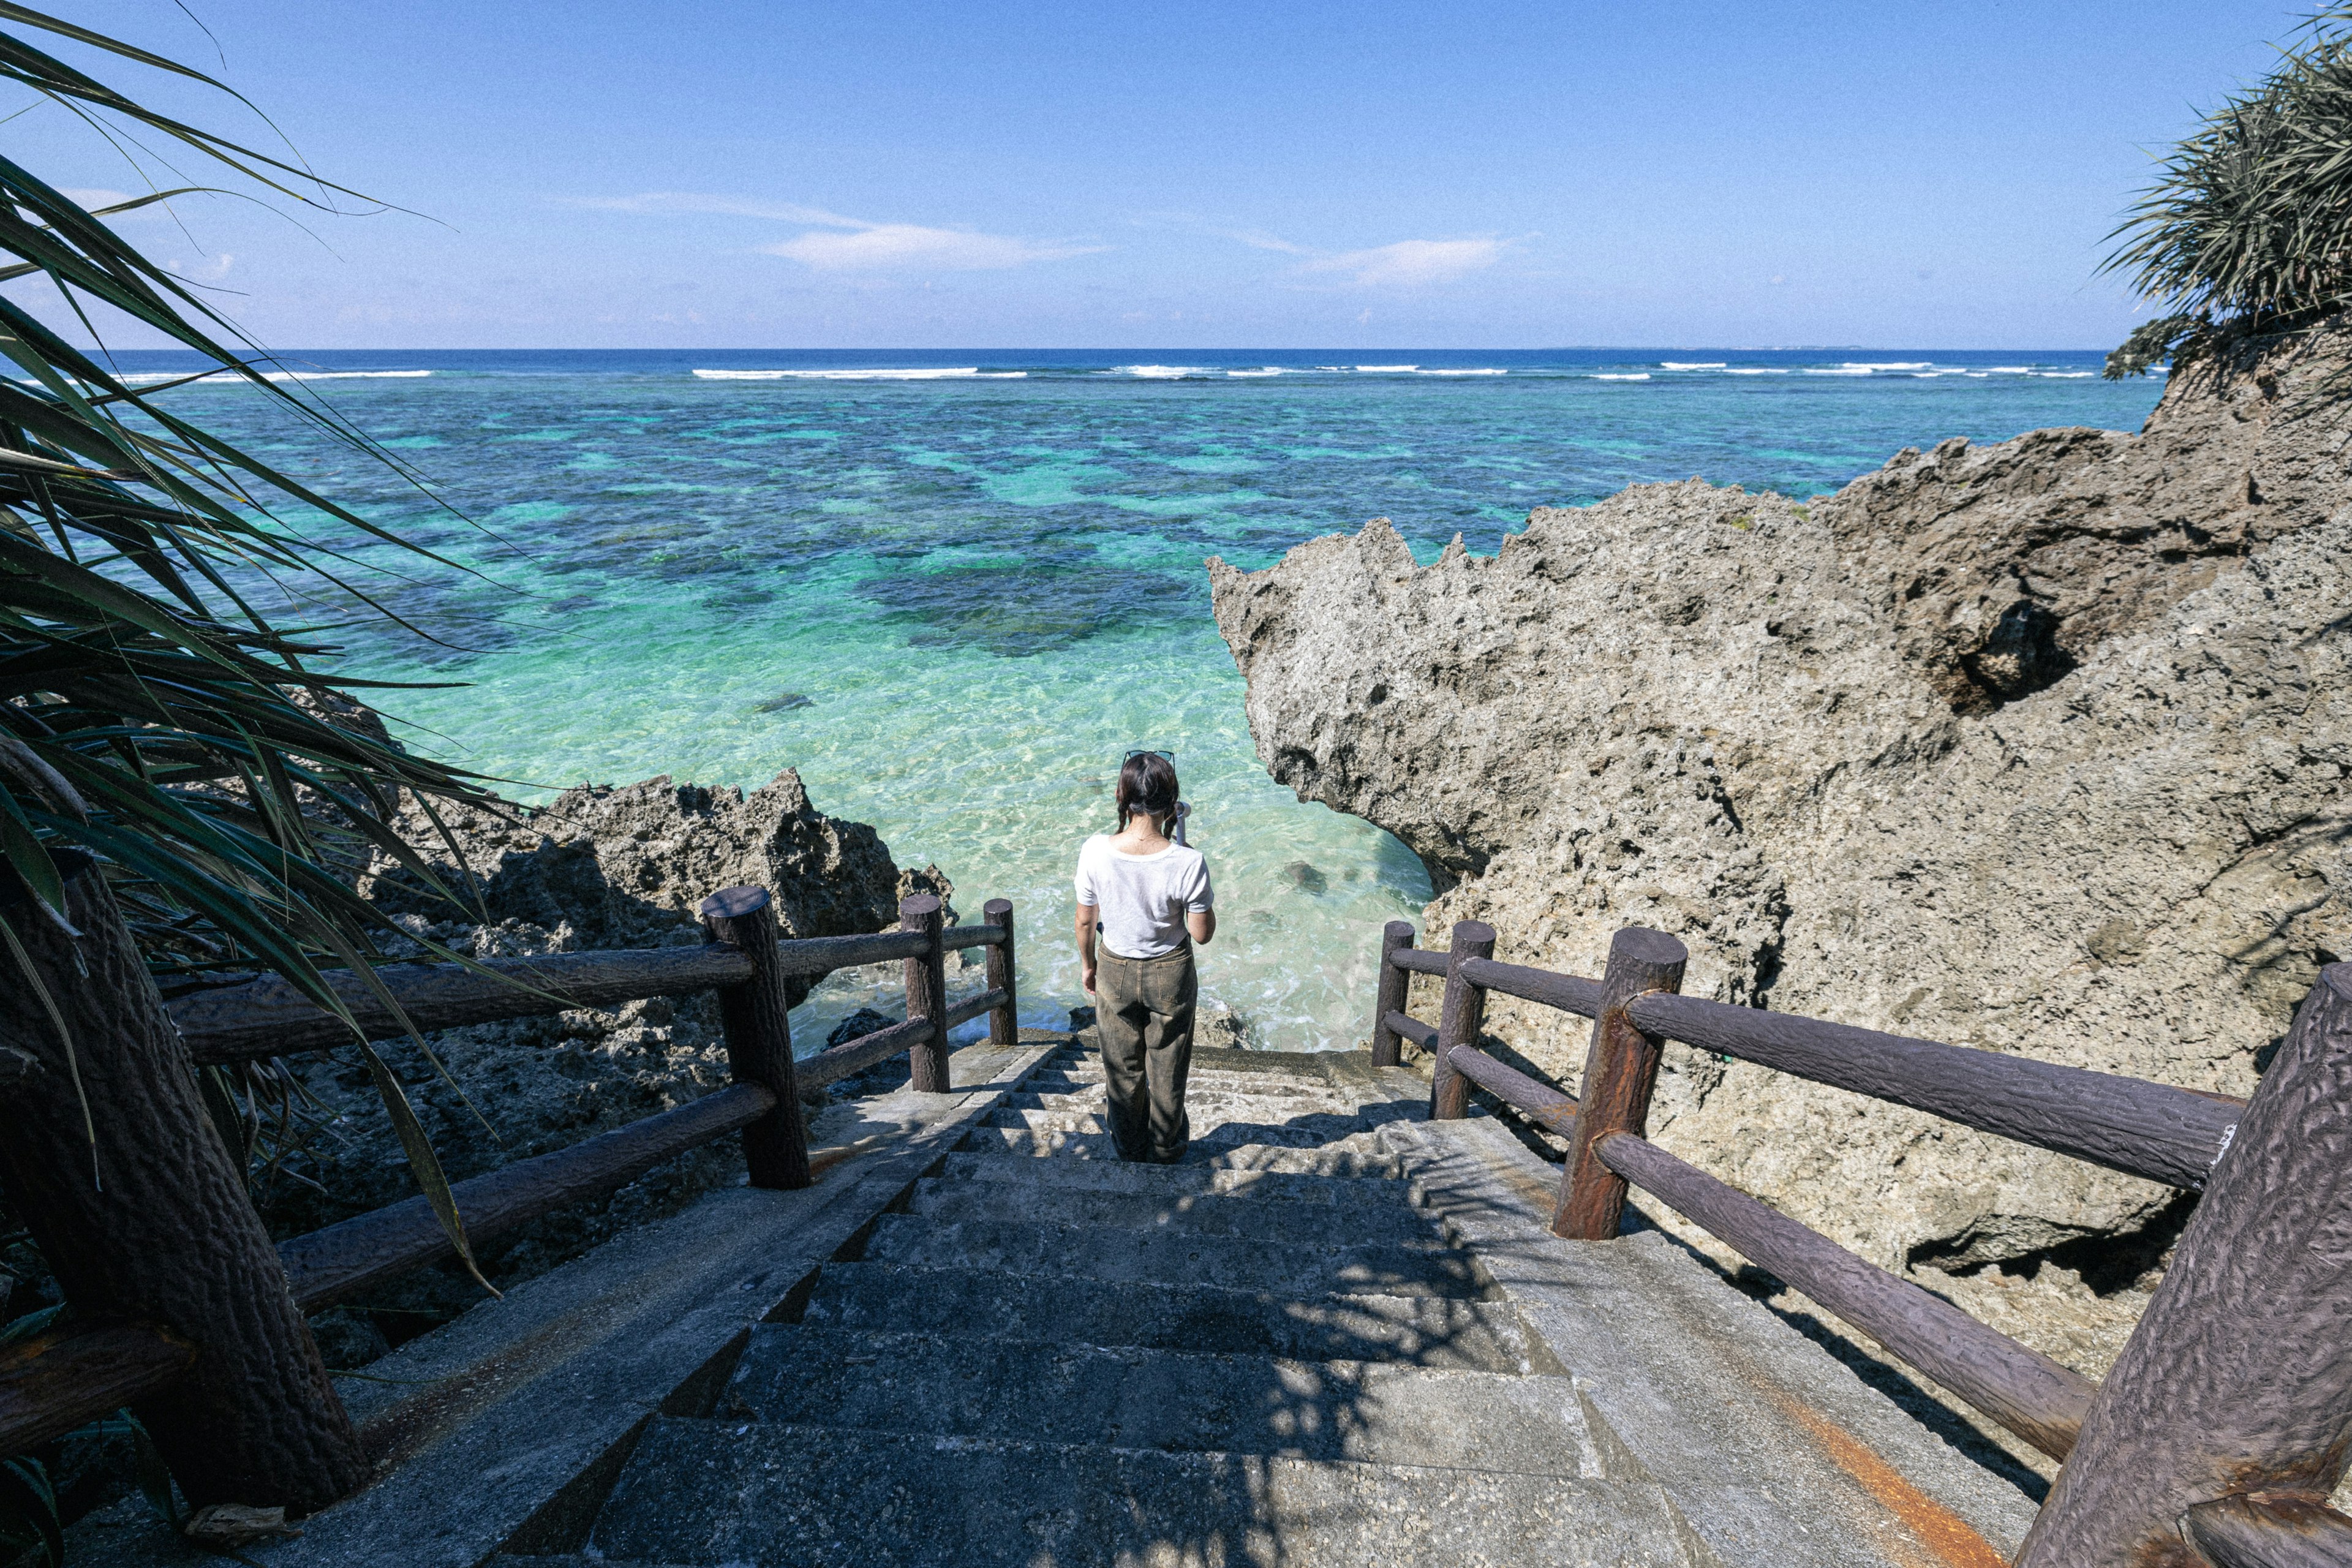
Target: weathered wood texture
807,955
1420,961
972,1007
1620,1072
1569,993
2026,1392
1538,1101
1004,1022
2239,1377
982,935
268,1018
152,1225
855,1056
2271,1530
2142,1129
755,1020
1406,1026
335,1263
1458,1019
54,1382
1388,990
927,992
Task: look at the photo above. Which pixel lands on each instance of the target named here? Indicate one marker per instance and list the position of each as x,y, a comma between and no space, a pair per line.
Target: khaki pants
1143,1011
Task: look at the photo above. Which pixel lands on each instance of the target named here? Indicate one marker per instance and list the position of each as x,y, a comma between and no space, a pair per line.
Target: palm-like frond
2248,226
152,719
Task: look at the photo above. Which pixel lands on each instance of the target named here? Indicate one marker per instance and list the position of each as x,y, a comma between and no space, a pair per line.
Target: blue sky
1041,174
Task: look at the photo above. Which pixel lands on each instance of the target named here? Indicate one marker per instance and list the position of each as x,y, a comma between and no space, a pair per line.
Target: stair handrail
115,1353
2247,1480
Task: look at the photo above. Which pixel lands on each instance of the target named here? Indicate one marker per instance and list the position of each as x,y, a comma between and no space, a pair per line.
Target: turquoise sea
952,588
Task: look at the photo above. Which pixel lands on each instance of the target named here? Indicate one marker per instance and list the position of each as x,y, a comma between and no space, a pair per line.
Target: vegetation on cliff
2246,235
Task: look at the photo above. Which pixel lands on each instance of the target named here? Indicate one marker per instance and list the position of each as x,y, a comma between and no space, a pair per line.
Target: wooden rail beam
1458,1018
2126,1124
755,1018
855,1056
972,1007
1620,1072
1406,1026
1538,1101
1420,961
334,1263
984,935
268,1018
54,1382
2270,1530
2239,1377
1569,993
1388,990
2025,1391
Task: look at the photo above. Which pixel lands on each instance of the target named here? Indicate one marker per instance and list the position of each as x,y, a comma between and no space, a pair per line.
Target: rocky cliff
2038,747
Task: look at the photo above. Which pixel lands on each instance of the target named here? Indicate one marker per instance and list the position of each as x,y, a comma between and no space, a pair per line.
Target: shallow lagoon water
953,599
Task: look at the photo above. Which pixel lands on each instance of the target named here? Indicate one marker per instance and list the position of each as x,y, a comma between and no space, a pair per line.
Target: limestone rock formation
2042,747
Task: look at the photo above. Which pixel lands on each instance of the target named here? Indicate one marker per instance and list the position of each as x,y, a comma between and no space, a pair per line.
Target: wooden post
1388,993
1003,1023
1463,1009
927,993
2239,1378
755,1017
1620,1069
152,1224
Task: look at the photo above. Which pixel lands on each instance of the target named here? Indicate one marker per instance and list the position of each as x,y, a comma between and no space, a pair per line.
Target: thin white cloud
726,206
886,246
1412,263
834,243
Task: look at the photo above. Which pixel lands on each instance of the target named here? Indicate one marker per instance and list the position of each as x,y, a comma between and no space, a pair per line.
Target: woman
1150,898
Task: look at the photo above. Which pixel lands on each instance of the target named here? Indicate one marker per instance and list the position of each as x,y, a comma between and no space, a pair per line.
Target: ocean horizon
953,586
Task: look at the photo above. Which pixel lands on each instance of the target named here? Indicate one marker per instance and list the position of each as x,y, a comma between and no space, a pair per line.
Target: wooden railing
2226,1422
139,1332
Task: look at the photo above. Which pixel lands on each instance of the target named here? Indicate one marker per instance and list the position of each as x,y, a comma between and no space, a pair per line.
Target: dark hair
1147,784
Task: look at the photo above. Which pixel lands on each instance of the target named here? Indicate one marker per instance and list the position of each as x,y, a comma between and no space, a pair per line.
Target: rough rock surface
2038,747
597,868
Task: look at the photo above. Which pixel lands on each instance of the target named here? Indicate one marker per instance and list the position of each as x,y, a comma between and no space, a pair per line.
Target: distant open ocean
953,587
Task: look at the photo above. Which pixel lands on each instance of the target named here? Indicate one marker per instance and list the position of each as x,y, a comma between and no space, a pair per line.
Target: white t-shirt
1143,897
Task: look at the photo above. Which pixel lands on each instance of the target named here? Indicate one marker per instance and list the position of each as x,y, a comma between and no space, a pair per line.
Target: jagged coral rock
2112,835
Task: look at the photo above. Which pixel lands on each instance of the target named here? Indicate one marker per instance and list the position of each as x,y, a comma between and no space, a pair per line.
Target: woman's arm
1202,924
1087,948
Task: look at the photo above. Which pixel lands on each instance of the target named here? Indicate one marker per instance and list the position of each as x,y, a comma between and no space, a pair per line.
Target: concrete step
1169,1182
1297,1266
1206,1215
1256,1122
987,1304
1130,1397
1029,1098
1269,1085
712,1492
1353,1156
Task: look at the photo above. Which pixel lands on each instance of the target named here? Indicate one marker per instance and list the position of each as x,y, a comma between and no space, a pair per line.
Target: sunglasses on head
1133,755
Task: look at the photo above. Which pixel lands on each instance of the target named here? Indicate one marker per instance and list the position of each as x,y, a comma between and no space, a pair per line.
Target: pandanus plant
2245,235
157,729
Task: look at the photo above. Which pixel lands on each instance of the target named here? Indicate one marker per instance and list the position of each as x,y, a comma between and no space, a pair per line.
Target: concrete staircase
1268,1354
